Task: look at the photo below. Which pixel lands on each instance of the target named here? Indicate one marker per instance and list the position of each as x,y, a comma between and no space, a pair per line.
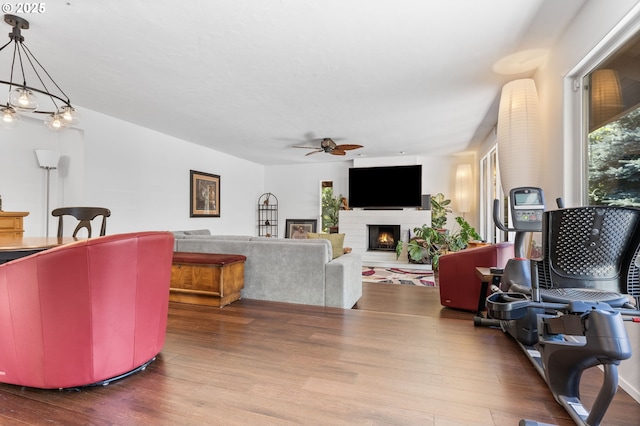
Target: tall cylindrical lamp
464,190
519,135
47,160
606,97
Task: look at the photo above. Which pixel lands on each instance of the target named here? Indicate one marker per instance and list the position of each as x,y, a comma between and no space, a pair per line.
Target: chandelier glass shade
42,95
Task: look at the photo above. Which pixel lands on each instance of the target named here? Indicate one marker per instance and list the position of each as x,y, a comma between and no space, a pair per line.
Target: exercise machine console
527,207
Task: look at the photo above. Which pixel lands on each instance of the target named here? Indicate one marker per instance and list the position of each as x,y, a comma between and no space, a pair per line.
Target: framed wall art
299,228
205,194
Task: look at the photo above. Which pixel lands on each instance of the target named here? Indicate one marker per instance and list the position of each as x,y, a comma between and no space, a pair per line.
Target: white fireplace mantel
353,223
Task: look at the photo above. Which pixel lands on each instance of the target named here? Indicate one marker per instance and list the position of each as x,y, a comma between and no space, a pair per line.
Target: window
613,142
490,189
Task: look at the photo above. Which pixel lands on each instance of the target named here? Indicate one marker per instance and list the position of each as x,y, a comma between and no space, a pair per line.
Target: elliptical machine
527,206
561,339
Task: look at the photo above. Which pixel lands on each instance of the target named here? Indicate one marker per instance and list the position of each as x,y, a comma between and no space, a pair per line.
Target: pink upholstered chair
457,279
84,313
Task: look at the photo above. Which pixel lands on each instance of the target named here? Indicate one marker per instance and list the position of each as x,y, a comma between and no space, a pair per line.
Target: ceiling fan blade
348,147
305,147
313,152
337,152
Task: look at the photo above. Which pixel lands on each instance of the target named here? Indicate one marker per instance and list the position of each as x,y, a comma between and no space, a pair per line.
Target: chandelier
55,107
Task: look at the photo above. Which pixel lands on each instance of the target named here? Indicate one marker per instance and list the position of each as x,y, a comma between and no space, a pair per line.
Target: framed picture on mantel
299,228
205,194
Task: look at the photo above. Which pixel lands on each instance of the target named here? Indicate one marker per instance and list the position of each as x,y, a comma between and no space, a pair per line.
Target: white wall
592,24
298,186
140,174
23,182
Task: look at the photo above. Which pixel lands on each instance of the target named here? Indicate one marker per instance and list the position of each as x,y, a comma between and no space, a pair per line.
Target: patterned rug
398,276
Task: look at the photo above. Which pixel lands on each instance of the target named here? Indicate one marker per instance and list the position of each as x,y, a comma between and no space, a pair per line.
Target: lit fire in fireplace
385,240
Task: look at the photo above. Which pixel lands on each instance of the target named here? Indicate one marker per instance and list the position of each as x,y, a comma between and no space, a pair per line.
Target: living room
112,162
142,174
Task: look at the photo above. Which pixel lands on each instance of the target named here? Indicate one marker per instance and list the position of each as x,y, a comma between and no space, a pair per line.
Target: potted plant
440,206
430,242
424,247
330,210
459,239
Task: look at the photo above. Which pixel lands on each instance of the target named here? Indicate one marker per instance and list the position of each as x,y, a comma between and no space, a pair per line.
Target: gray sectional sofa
285,270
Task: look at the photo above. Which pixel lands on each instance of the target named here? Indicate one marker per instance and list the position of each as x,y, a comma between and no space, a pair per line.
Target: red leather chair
86,312
457,279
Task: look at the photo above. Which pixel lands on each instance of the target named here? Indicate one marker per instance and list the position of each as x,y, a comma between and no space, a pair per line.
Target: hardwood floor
399,358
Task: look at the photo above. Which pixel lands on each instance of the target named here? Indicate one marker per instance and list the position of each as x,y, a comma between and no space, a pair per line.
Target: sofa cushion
336,240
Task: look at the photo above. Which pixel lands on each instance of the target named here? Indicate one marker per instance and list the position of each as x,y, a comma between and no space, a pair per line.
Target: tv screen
390,187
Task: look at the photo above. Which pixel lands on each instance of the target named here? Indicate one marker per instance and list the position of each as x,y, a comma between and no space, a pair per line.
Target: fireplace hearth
383,237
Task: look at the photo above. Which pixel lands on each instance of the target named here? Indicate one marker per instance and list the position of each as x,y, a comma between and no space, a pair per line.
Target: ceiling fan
330,147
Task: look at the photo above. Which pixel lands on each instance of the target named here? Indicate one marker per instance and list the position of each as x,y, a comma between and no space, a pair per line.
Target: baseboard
628,388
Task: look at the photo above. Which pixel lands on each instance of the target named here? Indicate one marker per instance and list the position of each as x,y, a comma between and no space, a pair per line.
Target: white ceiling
252,78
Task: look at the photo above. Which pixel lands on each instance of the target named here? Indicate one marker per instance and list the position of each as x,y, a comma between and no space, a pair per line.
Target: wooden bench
206,278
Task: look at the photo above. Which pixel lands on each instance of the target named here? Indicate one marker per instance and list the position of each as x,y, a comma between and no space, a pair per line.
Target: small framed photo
205,195
299,228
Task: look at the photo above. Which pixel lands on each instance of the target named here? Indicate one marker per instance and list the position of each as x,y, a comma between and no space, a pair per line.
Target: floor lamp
47,160
519,137
464,188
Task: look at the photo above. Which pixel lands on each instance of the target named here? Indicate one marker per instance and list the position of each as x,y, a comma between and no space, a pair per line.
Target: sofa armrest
459,285
343,281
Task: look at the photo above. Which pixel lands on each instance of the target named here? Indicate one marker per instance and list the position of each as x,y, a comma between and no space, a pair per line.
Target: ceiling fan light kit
22,98
328,146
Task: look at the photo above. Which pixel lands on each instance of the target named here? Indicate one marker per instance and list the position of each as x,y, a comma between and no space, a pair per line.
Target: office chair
85,215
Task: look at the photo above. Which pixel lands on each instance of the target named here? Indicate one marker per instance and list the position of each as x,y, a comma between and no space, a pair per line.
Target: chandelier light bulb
69,115
55,122
10,117
23,100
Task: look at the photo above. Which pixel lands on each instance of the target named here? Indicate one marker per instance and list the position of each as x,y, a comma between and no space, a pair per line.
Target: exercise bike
565,330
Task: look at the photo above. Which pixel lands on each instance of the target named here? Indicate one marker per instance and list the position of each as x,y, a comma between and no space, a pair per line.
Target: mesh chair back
591,247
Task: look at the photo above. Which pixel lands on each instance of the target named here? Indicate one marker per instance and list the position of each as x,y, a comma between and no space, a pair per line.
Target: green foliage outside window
614,162
330,208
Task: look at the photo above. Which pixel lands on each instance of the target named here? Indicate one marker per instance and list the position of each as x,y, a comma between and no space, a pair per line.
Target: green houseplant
424,247
430,242
440,206
330,209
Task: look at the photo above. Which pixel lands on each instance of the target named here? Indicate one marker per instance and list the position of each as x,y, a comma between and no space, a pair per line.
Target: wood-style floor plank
398,358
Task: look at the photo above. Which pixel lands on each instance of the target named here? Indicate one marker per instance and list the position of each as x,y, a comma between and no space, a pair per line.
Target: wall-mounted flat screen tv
391,187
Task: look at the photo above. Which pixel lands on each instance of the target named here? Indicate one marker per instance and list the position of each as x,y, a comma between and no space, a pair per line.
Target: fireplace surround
353,223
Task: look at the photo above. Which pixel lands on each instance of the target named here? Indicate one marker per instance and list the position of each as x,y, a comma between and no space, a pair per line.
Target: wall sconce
464,189
47,160
519,135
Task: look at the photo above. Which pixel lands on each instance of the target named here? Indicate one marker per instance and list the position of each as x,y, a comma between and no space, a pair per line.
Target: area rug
398,276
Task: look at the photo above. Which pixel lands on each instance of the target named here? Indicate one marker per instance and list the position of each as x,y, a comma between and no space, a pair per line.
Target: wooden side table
11,224
486,277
